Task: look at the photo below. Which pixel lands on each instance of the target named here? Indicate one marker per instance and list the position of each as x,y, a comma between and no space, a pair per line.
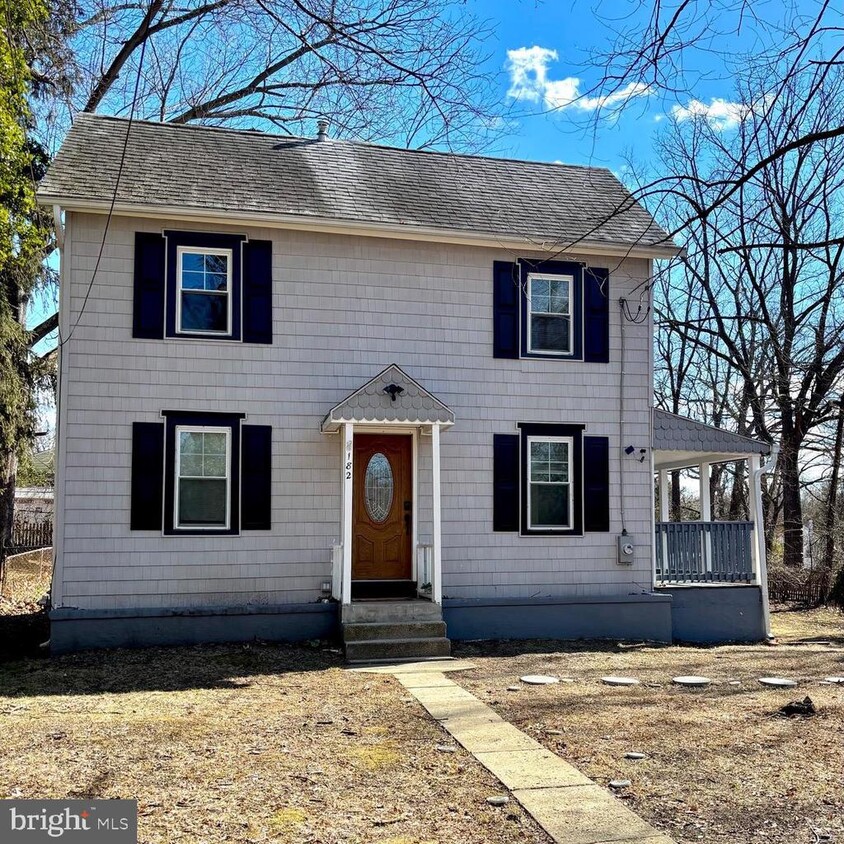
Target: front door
382,510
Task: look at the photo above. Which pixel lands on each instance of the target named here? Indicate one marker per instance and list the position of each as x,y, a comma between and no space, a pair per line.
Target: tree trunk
792,507
738,493
676,511
828,561
8,468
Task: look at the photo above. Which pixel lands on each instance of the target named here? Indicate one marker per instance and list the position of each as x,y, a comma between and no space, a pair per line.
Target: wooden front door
382,508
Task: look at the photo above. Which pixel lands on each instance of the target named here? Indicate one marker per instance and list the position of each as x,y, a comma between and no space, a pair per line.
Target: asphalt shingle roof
226,170
677,433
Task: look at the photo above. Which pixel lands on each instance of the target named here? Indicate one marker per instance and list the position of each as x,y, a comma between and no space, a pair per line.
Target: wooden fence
27,536
799,586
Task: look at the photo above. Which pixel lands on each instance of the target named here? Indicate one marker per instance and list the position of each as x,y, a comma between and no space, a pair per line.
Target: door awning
391,398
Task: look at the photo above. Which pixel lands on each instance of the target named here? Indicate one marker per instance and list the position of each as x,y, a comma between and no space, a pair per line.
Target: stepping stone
779,682
834,680
692,680
498,800
446,748
618,784
538,680
619,681
734,683
634,754
514,688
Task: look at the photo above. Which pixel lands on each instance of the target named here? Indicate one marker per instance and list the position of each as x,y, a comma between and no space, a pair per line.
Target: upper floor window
550,301
202,286
204,303
551,309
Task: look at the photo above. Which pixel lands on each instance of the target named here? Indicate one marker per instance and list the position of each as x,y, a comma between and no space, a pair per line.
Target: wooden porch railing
704,552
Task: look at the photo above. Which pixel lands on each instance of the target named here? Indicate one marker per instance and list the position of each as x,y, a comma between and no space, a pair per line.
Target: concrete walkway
568,805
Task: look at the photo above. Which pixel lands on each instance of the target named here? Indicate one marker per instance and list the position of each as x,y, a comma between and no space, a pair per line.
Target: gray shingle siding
223,170
344,309
677,433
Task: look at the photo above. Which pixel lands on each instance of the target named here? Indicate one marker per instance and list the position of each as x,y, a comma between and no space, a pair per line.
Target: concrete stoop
385,630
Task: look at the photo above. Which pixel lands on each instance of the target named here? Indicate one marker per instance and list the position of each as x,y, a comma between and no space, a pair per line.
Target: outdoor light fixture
393,390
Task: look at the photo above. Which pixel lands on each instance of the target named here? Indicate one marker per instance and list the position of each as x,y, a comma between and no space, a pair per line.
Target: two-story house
310,381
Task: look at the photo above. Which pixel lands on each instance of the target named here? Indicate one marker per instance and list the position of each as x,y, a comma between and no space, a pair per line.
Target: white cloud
528,68
719,113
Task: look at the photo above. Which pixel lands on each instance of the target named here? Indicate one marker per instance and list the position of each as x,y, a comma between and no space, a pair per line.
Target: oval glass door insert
378,487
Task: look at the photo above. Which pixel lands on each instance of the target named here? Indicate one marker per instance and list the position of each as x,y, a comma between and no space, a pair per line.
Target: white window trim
541,439
181,251
569,279
203,429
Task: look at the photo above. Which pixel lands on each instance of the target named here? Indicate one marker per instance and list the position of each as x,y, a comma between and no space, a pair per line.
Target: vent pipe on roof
322,129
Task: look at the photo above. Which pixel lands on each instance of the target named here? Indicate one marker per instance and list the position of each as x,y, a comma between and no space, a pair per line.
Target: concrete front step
387,612
393,630
380,649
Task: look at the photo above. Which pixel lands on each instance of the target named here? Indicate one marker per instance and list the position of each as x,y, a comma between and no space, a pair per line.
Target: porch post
663,495
760,555
754,506
436,551
664,516
705,515
347,434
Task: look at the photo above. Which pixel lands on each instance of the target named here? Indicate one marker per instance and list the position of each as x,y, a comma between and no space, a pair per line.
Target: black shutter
256,477
505,481
596,483
596,315
148,309
147,475
505,304
258,291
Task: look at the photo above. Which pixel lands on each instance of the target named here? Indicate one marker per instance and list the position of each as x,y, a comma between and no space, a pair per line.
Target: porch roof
390,398
679,442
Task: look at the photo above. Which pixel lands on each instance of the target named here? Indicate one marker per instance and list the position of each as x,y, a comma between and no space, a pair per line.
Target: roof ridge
367,144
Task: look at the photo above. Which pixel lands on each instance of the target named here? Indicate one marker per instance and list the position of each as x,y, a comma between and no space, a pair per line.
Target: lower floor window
549,482
203,477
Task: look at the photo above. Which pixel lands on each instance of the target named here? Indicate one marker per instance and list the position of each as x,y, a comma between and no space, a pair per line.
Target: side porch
714,569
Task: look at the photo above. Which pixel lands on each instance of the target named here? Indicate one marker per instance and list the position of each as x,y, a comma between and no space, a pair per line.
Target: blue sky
542,52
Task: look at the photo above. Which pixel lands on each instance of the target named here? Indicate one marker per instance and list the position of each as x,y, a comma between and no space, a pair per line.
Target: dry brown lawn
261,743
245,744
722,766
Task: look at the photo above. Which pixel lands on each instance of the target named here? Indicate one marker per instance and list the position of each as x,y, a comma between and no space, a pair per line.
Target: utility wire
116,188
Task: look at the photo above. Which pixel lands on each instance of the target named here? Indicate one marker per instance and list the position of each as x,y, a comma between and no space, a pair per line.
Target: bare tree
764,271
403,70
668,48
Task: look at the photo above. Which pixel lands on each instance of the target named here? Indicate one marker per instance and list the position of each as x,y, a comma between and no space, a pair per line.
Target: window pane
216,281
202,502
216,263
215,443
539,295
204,312
190,464
558,451
549,333
190,442
215,466
549,505
559,297
193,262
193,281
539,450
